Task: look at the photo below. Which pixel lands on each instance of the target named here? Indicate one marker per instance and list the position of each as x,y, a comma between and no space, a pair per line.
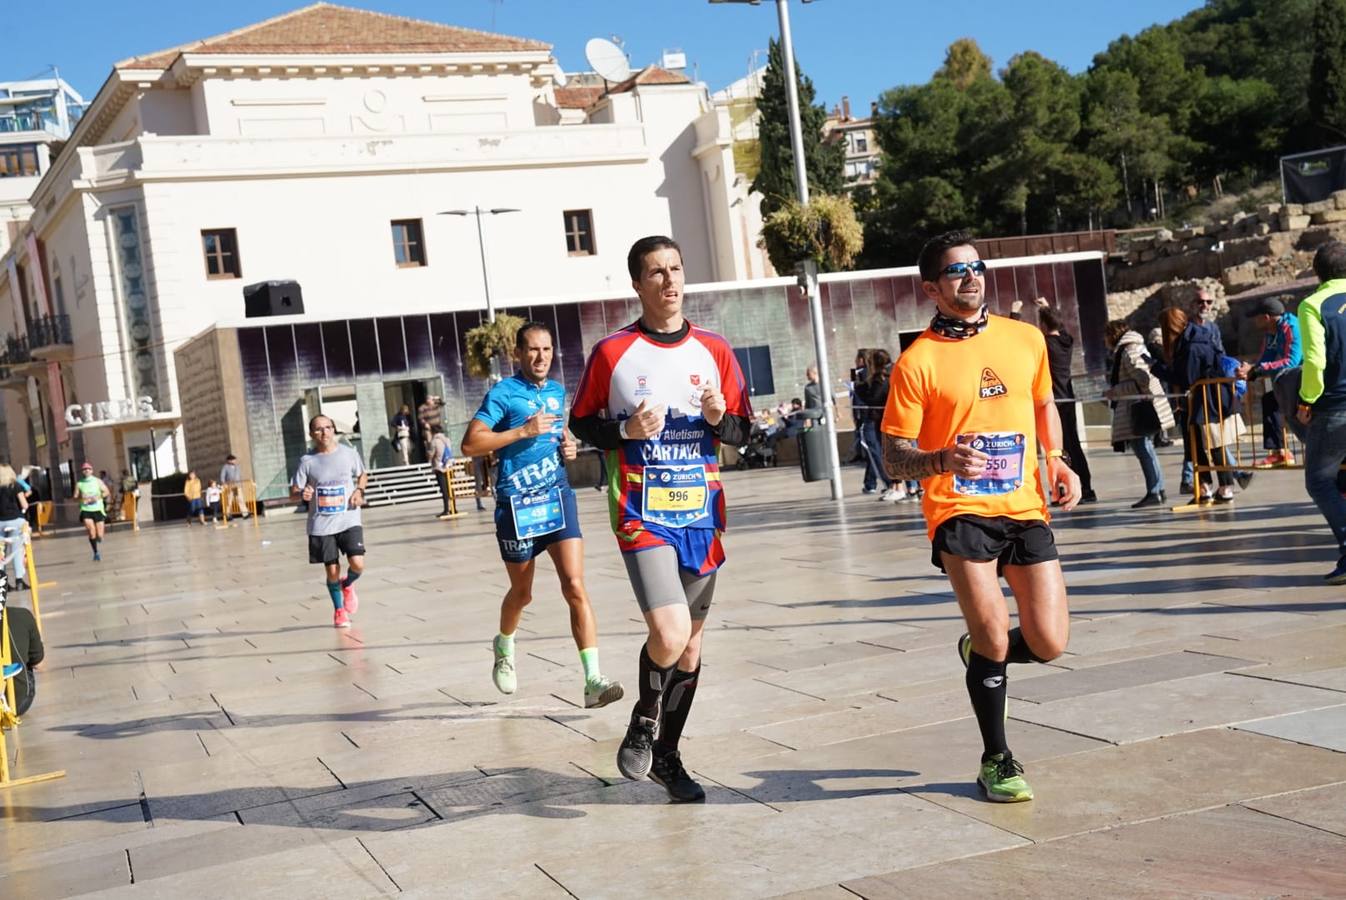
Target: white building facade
319,147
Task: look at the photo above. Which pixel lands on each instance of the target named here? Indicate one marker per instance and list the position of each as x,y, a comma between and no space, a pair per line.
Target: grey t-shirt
333,478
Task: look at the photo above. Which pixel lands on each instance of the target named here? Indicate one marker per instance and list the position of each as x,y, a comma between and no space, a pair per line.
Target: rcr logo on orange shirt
991,385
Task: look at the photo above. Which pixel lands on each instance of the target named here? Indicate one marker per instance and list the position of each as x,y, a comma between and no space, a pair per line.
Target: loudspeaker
272,298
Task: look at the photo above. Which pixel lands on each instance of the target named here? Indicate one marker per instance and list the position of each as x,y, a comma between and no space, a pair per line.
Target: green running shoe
1001,780
503,671
601,691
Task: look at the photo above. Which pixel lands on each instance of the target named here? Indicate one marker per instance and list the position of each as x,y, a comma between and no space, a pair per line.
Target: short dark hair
520,336
1330,261
232,456
1049,319
310,428
933,251
436,429
1113,331
635,258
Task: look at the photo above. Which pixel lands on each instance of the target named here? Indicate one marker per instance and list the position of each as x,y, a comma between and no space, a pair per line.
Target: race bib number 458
1004,472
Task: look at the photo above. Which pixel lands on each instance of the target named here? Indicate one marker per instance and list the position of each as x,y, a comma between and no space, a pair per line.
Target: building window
221,248
408,244
580,232
18,160
861,145
756,365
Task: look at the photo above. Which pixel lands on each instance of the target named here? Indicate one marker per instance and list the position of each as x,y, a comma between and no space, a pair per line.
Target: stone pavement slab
217,731
1229,852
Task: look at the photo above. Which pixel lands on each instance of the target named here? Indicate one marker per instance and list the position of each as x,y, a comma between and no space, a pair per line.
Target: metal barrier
1239,455
242,495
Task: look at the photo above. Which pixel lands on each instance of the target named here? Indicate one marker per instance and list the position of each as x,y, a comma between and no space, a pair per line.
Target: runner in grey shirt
332,483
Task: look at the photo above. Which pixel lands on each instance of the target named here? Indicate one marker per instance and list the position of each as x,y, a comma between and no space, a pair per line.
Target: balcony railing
49,331
45,120
15,352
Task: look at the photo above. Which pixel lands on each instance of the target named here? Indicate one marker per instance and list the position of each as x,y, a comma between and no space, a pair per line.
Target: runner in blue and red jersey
658,397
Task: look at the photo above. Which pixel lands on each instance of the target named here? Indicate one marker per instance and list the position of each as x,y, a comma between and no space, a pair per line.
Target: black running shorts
325,548
92,515
1012,542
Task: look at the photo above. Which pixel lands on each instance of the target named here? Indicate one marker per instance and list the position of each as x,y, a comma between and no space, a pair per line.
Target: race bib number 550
1004,472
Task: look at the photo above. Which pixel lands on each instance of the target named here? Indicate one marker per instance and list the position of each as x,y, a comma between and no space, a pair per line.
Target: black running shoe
636,754
668,771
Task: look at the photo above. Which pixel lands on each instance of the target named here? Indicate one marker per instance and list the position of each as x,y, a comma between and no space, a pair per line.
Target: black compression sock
678,698
93,542
987,690
1019,651
652,681
351,577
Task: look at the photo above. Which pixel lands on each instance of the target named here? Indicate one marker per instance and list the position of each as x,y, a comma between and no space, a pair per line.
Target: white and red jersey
665,490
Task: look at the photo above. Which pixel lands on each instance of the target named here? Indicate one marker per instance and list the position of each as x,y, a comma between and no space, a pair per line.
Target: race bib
537,514
330,500
675,496
1004,469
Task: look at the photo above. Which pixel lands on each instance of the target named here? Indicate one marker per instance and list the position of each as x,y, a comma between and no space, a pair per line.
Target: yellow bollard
31,567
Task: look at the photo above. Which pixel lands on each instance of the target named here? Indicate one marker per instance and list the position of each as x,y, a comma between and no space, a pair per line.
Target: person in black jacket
26,647
1060,347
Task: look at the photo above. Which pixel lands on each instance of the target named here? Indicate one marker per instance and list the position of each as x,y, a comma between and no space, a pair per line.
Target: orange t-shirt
984,390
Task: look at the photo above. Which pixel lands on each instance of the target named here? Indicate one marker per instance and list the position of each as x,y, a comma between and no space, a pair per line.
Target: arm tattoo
902,461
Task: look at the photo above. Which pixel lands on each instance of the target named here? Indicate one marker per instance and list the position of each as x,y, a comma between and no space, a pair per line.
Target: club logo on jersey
991,385
553,404
696,380
643,386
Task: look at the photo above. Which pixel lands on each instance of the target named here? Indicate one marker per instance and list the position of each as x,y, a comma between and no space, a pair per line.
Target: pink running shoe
340,619
349,600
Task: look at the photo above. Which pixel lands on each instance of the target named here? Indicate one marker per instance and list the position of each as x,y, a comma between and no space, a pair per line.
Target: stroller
760,451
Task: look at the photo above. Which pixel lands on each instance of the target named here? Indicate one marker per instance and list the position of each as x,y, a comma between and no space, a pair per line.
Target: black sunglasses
960,269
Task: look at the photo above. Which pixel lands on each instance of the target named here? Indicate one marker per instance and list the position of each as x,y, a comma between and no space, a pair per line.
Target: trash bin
813,454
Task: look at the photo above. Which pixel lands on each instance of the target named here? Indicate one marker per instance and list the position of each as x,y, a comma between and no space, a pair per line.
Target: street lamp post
808,270
485,272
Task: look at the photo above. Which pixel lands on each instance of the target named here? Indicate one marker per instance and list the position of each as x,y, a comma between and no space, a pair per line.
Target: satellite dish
607,59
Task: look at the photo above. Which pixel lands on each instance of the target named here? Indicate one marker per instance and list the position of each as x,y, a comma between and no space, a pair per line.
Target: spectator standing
1211,419
1281,353
1322,394
25,647
429,414
231,487
1060,347
401,426
1136,420
13,511
213,495
441,452
191,490
813,398
874,396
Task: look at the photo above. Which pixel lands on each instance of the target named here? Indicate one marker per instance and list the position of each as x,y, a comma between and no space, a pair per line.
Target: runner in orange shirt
977,389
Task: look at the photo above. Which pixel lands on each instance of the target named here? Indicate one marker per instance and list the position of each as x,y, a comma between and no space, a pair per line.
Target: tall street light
808,269
481,245
485,272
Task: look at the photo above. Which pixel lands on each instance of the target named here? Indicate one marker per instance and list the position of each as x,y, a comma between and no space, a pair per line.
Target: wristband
1056,454
621,429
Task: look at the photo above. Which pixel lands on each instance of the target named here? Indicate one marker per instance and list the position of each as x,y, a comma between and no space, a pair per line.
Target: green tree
1327,82
964,64
824,162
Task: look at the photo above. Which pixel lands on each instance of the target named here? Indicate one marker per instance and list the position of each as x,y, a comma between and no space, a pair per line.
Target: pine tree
824,163
1327,79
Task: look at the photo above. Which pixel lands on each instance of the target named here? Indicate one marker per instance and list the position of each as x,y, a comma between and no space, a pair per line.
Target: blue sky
853,47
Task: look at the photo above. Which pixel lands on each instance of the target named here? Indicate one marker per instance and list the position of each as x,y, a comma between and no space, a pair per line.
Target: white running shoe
893,495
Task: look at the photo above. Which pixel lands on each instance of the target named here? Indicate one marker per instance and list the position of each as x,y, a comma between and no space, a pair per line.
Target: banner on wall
39,277
1310,177
16,298
56,400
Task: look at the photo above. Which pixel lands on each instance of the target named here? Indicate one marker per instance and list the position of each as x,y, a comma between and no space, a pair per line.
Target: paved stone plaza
222,739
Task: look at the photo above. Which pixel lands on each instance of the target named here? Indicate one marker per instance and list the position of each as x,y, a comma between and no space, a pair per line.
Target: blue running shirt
531,465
